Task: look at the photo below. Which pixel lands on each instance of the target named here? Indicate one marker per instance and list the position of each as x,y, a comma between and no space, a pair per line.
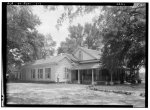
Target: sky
49,20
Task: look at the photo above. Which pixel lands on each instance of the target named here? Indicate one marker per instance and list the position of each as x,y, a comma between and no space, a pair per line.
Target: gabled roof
55,59
72,57
94,53
52,60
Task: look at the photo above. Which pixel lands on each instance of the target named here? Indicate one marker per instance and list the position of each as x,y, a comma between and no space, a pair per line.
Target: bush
133,81
139,81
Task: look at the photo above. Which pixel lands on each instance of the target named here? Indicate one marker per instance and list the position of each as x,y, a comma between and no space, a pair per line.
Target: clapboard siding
85,56
60,72
36,67
57,71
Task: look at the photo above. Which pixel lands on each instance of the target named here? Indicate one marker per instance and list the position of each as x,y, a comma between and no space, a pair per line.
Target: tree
88,35
93,36
71,12
77,33
49,44
124,37
24,43
67,46
75,39
17,28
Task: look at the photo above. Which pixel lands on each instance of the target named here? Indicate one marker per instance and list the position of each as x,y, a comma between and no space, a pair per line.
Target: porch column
97,75
78,76
92,77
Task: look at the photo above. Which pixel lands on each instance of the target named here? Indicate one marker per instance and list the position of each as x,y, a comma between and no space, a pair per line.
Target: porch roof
87,66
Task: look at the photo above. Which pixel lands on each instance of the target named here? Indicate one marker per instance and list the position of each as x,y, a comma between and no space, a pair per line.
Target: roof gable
67,59
93,53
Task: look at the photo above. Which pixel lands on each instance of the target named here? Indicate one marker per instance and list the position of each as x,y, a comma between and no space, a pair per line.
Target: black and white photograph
75,54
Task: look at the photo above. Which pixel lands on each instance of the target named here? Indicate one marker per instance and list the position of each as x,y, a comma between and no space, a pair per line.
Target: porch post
78,76
92,77
96,74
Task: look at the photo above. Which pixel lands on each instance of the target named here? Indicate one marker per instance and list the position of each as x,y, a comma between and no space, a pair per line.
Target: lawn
68,94
136,89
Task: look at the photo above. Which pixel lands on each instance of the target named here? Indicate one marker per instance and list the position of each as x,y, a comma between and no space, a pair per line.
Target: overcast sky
49,20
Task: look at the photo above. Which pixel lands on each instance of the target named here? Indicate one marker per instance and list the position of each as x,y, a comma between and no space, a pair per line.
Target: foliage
93,37
124,37
71,12
24,43
67,46
49,44
87,35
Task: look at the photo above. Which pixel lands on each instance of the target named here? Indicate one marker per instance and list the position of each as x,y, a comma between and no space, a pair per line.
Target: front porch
97,76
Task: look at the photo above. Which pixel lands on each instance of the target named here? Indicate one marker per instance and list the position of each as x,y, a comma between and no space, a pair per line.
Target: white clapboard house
83,66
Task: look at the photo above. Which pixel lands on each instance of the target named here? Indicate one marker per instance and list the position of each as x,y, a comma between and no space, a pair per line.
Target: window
40,73
22,74
32,73
67,71
48,72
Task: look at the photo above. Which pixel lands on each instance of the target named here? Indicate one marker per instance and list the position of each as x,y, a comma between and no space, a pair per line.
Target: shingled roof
56,59
53,59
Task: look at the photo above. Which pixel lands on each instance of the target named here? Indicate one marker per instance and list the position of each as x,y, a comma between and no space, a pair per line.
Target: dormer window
80,55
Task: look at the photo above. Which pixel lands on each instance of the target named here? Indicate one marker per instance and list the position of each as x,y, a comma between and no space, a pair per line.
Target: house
83,66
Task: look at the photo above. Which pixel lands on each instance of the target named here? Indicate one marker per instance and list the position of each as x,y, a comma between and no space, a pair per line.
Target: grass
137,87
68,94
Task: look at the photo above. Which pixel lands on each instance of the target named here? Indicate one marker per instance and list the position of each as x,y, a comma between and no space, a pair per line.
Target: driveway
68,94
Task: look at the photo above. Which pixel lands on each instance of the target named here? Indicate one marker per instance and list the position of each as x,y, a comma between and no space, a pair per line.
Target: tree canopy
24,42
124,36
87,35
